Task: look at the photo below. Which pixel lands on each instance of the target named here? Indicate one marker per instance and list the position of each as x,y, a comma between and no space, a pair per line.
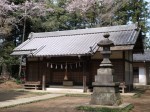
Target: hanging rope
66,73
51,65
61,66
47,65
64,65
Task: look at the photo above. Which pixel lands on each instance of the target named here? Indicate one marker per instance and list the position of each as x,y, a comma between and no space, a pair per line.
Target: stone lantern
105,87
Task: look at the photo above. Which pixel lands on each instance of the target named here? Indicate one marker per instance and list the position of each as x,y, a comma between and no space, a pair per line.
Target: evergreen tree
113,12
135,11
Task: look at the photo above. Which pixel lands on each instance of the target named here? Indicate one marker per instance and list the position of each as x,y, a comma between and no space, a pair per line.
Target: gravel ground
61,104
66,104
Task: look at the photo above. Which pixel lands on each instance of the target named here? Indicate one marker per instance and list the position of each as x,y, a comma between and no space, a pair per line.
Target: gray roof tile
142,56
77,42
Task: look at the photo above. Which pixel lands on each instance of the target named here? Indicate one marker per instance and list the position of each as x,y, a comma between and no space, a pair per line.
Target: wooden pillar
27,70
43,74
43,82
84,84
124,66
38,69
84,78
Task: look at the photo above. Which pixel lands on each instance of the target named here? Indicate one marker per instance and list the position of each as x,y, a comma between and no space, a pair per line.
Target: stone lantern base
105,96
105,90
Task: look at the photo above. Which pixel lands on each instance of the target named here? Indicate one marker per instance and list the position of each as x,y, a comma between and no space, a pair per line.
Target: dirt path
141,104
68,104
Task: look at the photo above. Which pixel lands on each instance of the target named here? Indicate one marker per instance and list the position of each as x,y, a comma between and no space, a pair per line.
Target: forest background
20,17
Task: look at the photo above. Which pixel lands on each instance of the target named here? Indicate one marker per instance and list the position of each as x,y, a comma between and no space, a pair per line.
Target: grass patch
31,92
1,81
39,93
137,95
104,109
138,92
78,95
128,108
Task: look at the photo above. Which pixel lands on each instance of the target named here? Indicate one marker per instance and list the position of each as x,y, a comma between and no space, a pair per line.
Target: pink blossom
82,5
85,5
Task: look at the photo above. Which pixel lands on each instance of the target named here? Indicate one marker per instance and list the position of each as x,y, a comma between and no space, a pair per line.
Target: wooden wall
114,55
36,67
118,66
56,76
148,72
128,68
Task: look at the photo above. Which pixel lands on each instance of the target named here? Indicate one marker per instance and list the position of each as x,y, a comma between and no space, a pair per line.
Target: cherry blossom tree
82,5
12,14
28,9
6,10
105,9
31,9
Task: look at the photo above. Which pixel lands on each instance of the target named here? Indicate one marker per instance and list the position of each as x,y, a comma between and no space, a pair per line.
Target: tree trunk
5,74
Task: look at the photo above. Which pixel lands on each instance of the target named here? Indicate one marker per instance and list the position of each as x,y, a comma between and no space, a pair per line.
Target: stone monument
105,87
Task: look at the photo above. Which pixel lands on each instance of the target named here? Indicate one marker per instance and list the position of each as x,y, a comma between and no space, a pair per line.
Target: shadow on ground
12,94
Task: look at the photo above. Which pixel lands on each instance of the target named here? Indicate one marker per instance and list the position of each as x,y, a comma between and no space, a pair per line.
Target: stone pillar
105,87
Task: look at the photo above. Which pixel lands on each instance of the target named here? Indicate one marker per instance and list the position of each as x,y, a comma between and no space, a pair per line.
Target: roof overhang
30,53
20,53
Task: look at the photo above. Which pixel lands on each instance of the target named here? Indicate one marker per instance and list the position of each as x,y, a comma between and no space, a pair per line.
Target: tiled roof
76,42
142,56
